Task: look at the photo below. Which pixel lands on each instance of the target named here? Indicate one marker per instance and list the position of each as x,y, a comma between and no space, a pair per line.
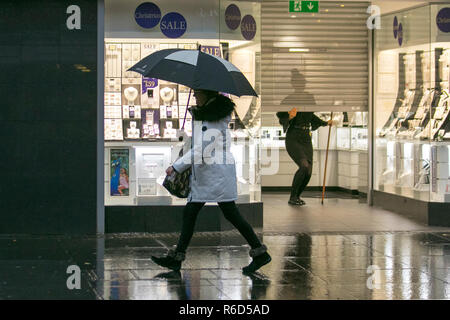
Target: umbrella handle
185,113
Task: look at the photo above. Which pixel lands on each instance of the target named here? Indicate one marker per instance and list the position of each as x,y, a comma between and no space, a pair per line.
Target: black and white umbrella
195,69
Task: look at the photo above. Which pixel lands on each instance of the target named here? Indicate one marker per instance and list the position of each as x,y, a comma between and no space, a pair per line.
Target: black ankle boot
172,260
296,202
260,258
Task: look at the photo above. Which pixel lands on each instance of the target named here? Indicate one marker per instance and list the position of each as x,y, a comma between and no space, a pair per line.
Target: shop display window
144,116
351,131
411,104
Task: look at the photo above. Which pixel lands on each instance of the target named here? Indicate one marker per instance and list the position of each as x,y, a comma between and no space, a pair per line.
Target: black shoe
260,258
294,202
172,261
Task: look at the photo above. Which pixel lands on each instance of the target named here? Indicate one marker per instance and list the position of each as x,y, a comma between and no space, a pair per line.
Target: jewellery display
150,120
126,112
112,85
175,112
133,132
166,94
150,98
169,127
423,110
113,60
130,94
170,132
148,48
131,54
144,114
131,112
149,103
412,148
113,112
113,129
163,112
113,98
147,186
187,126
147,124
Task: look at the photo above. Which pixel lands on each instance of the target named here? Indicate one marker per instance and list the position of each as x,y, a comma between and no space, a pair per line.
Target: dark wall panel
48,118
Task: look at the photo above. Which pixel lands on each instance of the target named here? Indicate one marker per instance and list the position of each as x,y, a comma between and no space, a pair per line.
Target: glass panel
240,40
403,93
317,62
411,104
440,111
143,116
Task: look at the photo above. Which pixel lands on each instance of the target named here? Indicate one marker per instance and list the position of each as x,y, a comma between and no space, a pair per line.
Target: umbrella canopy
195,69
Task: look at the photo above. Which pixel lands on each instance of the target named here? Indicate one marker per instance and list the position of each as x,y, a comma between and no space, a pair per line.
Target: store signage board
443,20
173,25
398,31
303,6
248,27
233,16
147,15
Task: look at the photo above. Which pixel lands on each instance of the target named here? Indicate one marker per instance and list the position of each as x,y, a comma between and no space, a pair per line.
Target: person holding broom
298,136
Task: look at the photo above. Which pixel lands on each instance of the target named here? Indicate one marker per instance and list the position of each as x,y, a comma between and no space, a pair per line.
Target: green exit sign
303,6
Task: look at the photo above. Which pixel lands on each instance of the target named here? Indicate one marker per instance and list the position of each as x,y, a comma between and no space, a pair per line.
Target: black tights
301,178
231,213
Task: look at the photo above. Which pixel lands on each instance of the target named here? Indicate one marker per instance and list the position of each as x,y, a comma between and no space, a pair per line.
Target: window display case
143,116
347,163
411,104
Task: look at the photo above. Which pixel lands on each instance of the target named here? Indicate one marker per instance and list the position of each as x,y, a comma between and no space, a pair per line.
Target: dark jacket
302,119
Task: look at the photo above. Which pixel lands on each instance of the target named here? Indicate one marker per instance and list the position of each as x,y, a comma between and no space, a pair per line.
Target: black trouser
301,178
231,213
299,148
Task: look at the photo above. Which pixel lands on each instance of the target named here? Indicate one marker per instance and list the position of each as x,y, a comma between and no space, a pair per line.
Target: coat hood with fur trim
215,109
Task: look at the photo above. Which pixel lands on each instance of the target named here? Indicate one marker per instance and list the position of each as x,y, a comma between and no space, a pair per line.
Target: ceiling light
298,50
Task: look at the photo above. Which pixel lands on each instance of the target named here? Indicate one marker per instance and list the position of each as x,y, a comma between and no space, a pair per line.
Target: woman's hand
169,171
332,122
292,113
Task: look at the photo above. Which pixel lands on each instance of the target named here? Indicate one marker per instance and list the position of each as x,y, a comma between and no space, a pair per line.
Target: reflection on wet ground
381,265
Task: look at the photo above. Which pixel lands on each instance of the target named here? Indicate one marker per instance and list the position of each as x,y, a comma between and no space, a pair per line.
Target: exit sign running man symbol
303,6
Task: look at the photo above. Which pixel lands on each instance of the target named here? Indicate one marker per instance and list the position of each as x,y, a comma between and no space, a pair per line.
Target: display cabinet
411,110
347,162
411,113
144,117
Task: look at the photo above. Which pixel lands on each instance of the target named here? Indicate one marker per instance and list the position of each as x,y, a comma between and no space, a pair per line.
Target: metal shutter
336,67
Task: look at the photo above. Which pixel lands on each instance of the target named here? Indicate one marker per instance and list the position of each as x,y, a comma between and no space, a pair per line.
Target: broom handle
326,161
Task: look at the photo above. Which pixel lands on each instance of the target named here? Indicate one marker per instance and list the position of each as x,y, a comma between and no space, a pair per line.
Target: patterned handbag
178,183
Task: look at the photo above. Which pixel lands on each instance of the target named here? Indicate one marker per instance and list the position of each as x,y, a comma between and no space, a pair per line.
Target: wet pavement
335,215
345,265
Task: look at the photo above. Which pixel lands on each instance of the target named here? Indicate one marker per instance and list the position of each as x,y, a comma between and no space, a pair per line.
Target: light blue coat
213,177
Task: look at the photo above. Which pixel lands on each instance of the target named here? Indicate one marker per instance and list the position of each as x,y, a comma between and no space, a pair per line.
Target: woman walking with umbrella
213,178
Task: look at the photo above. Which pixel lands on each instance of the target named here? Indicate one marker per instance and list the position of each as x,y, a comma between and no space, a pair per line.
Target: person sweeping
299,147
